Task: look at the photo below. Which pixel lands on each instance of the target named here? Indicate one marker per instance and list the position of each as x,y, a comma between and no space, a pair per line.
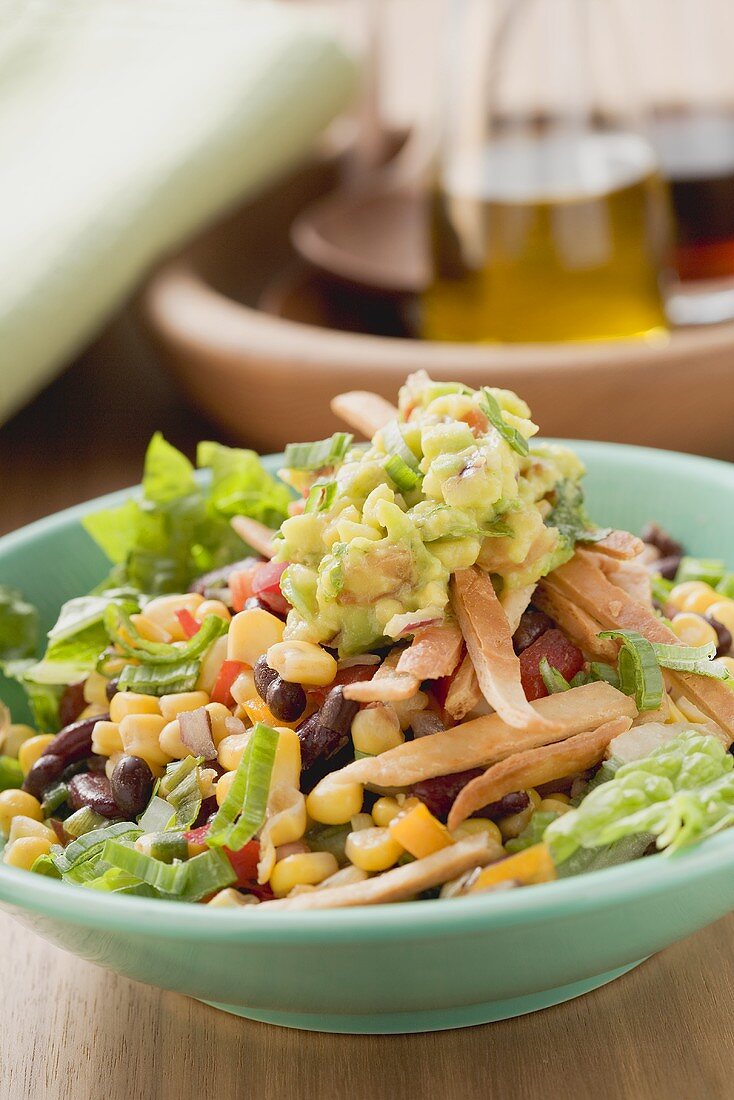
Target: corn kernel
232,899
474,826
681,592
171,743
407,708
149,630
212,607
211,664
384,810
15,736
287,763
95,689
693,630
309,868
92,710
173,705
162,611
223,784
106,738
231,750
373,849
534,797
559,796
218,715
512,825
112,762
244,688
554,806
29,826
334,803
419,832
302,663
700,602
252,633
362,821
347,876
376,729
25,851
132,702
15,802
140,735
723,612
32,750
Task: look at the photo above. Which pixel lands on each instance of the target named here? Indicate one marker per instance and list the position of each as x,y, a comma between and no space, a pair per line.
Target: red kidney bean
75,741
668,567
286,701
72,703
655,535
131,786
440,793
44,772
723,635
263,676
207,811
95,791
336,712
532,624
218,578
317,742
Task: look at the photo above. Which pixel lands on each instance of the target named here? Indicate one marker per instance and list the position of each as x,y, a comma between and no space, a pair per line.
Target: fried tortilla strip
400,883
365,412
581,628
463,694
489,643
619,544
515,602
434,652
528,769
387,685
255,534
582,581
632,576
485,740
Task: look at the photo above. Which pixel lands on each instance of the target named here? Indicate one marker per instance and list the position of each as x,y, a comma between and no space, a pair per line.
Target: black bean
724,638
218,578
112,689
337,712
72,703
655,535
207,811
263,675
43,774
131,786
513,803
94,791
317,742
532,624
668,567
75,741
440,793
287,701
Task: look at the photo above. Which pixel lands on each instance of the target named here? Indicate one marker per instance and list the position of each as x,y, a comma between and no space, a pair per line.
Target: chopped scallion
11,773
684,658
120,628
394,443
491,407
321,496
248,795
160,679
404,476
708,570
638,668
554,680
190,880
316,456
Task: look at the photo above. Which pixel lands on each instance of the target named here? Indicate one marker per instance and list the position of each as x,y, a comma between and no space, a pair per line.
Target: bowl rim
578,894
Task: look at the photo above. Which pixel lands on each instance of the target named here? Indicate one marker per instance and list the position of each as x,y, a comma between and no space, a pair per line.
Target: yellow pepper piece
419,832
533,865
257,710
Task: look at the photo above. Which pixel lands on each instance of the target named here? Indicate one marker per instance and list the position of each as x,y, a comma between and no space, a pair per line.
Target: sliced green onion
491,407
709,570
726,586
321,497
115,881
661,588
638,669
554,680
394,443
160,679
315,456
580,679
53,798
84,821
688,658
185,798
442,389
120,627
44,865
168,847
176,772
190,880
404,476
600,671
91,844
248,795
157,816
11,773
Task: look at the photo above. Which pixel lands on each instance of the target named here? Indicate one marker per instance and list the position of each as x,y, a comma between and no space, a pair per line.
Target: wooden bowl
267,378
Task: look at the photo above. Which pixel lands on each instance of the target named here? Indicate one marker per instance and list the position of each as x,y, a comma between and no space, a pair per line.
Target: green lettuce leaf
679,794
18,626
570,517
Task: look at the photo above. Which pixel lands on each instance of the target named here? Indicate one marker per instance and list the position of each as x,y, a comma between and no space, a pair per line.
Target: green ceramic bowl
418,966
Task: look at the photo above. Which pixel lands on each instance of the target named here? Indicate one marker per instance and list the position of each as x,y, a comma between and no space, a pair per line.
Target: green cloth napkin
124,126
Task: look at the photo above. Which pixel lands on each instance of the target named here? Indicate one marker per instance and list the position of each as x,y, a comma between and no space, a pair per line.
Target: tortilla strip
485,740
582,581
515,602
434,652
619,544
581,628
632,576
528,769
489,643
255,534
463,694
387,685
365,412
400,883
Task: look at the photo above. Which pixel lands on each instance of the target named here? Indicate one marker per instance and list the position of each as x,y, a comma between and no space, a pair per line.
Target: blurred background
217,216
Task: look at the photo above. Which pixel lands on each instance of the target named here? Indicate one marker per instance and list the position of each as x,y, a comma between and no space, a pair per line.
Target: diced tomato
477,421
228,673
239,583
352,675
188,623
262,891
197,836
561,655
266,586
245,862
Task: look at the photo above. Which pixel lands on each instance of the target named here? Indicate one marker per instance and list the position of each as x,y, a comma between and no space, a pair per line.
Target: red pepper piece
266,586
188,623
228,673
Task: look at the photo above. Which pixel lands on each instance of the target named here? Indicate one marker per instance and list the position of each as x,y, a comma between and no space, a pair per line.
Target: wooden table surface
71,1031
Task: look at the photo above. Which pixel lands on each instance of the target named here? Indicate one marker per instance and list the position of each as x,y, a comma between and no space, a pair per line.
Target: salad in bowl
411,668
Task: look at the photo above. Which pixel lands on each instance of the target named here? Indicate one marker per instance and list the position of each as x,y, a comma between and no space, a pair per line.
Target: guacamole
450,482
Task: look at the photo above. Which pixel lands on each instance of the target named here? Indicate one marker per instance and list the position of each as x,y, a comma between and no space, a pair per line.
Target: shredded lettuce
179,529
679,794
